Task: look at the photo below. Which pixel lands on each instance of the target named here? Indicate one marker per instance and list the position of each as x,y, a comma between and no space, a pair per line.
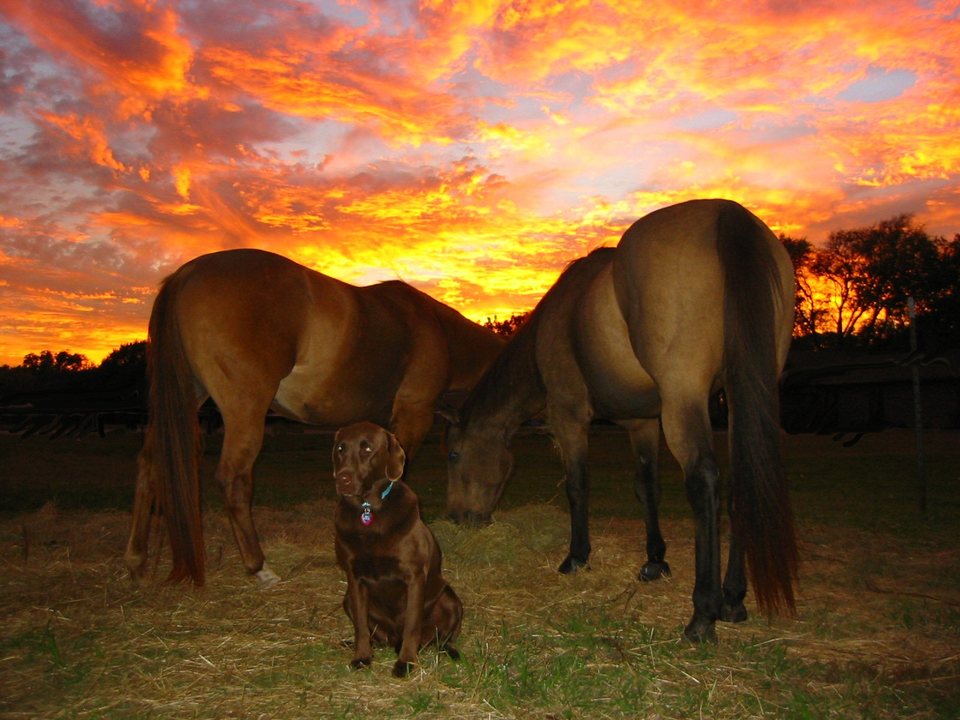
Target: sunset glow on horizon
469,148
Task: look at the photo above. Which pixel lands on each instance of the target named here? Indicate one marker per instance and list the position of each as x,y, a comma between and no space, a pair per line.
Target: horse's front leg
410,421
572,441
645,443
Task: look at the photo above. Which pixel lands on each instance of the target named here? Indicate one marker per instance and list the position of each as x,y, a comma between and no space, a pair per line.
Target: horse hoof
360,663
654,571
452,652
733,613
700,632
266,578
572,564
402,668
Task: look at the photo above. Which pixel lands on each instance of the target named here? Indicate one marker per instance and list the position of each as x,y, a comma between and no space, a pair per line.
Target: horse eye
453,456
341,448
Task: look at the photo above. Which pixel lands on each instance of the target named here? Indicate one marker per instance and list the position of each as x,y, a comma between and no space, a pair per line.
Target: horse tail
760,512
175,436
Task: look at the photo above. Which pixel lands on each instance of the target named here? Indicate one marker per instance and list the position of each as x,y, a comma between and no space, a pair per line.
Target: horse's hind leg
645,443
242,440
689,437
734,584
135,556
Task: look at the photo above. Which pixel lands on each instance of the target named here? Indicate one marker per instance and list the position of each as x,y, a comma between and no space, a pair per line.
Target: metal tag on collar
366,509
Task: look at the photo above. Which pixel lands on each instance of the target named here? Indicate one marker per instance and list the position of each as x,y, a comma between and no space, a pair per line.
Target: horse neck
511,391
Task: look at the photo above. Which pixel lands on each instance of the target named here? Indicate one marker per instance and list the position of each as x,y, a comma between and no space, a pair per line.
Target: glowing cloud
470,148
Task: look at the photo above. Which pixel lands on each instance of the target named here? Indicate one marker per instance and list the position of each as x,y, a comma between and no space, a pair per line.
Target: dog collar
366,509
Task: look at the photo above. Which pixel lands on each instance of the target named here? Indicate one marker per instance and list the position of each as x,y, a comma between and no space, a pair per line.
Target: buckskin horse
695,297
256,331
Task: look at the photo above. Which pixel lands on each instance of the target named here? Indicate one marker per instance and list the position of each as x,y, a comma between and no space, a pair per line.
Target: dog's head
363,454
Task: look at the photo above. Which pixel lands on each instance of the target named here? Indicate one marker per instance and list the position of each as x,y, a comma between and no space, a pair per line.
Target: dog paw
360,663
402,668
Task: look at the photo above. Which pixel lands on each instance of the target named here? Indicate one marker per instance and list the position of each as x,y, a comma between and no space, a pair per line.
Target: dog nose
345,483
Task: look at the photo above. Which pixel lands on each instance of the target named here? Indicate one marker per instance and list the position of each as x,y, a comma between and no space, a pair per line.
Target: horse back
318,349
670,280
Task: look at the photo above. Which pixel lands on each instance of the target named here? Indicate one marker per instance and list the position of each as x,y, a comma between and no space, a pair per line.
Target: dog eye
366,448
341,448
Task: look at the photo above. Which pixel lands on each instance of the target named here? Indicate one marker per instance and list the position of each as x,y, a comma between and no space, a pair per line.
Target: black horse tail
175,436
760,512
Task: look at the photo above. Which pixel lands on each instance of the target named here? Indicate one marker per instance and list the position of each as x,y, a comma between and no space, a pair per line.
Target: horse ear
396,458
449,413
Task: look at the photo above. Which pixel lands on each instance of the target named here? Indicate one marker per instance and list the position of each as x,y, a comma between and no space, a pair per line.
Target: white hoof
267,578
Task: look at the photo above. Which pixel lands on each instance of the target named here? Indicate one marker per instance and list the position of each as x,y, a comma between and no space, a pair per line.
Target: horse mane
472,347
514,374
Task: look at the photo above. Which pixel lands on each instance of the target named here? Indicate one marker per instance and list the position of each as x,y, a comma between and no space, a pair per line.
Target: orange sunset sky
469,148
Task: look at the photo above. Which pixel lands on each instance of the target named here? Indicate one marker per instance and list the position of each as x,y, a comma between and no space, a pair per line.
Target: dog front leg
357,597
412,621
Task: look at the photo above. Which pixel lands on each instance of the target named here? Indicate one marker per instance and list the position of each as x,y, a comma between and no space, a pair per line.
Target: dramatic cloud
469,148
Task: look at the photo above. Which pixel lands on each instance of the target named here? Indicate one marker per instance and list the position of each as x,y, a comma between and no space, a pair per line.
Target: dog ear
396,458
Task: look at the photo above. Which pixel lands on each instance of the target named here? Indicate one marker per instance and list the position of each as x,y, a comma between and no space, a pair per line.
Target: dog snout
347,483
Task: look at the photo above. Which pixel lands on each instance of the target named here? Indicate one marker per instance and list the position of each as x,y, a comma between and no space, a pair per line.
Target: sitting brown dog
395,592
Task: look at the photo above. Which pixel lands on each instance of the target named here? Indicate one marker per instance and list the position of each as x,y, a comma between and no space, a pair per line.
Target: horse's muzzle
469,518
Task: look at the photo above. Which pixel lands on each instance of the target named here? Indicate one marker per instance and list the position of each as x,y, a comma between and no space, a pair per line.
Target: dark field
877,635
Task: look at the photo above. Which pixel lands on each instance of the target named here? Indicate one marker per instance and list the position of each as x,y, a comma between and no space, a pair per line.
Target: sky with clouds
470,148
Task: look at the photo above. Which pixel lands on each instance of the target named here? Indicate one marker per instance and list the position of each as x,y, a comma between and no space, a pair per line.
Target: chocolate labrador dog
395,592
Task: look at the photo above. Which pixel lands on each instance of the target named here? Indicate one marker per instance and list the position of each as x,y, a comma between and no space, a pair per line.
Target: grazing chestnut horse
696,297
255,332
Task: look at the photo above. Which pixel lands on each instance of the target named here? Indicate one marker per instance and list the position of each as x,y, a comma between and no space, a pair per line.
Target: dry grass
79,640
877,635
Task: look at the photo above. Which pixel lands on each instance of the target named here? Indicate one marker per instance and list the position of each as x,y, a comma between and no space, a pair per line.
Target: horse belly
619,386
341,377
304,396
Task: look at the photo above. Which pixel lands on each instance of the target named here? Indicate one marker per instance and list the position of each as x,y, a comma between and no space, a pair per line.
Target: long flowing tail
761,514
175,437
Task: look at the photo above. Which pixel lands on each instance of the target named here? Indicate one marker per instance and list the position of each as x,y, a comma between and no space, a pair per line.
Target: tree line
851,292
854,290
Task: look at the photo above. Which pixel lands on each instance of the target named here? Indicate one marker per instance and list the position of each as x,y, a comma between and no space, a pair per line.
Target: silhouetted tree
130,359
506,328
872,271
939,321
807,313
125,368
63,361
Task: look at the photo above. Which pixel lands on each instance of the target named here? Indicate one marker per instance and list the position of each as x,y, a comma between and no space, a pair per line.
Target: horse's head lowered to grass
478,464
